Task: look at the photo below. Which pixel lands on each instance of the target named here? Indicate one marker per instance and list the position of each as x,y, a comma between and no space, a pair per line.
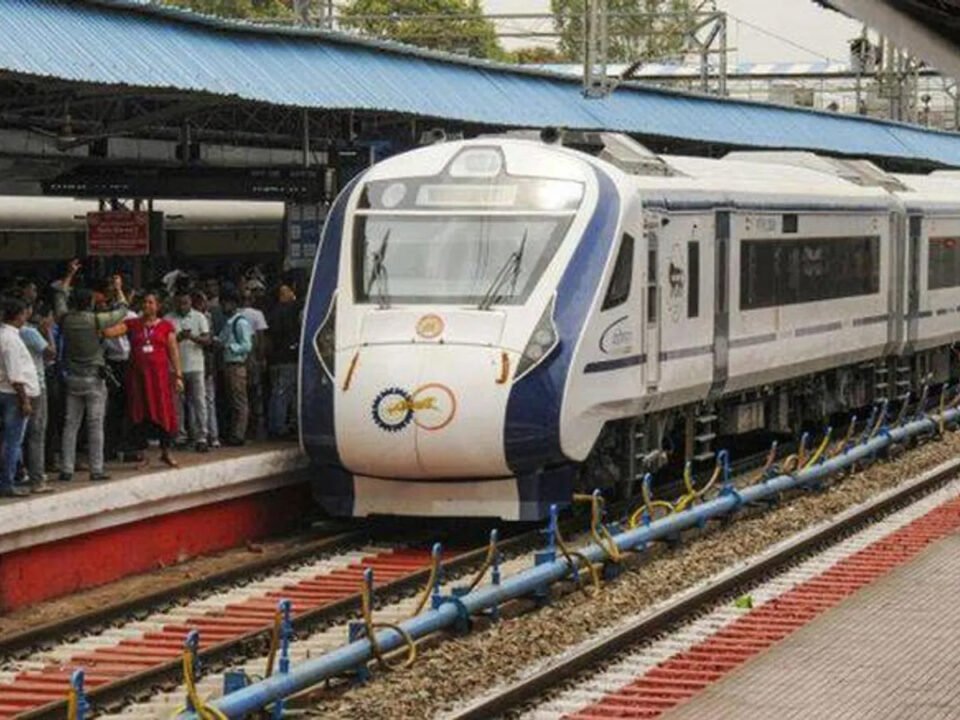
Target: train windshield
459,244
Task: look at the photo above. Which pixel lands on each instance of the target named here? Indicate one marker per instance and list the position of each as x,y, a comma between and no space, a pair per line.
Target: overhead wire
781,38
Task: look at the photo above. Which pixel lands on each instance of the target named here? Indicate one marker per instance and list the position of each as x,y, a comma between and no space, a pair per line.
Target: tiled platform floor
892,650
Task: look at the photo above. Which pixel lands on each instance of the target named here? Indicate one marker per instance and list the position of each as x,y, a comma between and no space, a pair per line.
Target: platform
87,533
891,650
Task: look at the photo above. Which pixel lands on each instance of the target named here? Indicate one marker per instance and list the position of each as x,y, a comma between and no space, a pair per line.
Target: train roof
750,178
746,183
937,192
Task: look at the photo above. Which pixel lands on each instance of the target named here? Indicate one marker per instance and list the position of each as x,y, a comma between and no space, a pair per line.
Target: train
495,324
39,234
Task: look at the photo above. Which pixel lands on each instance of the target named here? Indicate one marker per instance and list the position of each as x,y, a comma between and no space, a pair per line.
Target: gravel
450,672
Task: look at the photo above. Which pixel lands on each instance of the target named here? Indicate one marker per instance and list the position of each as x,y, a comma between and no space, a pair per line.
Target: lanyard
148,333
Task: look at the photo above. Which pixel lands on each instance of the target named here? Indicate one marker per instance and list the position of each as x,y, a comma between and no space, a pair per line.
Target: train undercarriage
746,422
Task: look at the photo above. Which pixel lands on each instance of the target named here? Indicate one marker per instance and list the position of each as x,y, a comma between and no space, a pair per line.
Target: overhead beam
171,112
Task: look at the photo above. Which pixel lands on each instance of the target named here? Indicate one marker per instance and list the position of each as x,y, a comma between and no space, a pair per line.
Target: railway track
140,658
19,642
647,643
133,659
132,648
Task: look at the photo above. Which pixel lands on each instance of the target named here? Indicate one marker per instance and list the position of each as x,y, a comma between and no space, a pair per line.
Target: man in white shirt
19,383
193,334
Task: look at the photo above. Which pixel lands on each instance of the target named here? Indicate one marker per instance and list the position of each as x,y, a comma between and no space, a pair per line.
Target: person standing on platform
283,353
56,398
154,358
212,429
19,386
193,335
86,388
116,351
257,360
236,342
211,291
37,336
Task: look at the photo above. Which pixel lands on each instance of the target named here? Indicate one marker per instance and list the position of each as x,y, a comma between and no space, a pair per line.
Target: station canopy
930,29
81,80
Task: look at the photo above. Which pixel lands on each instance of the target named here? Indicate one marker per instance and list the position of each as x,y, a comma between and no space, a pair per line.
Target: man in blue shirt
236,343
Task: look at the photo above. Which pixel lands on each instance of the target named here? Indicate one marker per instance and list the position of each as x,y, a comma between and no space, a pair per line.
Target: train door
652,321
915,241
721,330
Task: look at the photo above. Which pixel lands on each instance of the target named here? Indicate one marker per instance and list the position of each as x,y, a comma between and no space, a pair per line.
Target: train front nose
424,411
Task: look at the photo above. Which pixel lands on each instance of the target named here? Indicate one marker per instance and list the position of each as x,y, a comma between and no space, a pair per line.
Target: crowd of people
188,362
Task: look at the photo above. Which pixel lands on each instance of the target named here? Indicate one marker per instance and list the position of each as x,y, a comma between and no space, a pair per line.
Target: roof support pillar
306,138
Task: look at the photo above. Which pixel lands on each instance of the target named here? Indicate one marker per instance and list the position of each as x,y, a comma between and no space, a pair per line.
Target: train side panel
809,291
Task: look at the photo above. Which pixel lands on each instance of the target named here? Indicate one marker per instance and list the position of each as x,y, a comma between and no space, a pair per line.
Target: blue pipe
453,610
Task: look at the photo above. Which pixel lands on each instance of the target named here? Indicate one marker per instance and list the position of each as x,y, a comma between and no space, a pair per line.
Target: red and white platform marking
668,672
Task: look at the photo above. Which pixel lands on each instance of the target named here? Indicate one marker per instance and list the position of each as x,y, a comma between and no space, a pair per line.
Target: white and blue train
495,323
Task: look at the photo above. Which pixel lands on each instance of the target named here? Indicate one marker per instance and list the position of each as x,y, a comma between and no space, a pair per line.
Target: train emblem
430,407
430,326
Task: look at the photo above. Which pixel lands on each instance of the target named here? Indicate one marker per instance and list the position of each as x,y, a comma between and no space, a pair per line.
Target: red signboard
118,232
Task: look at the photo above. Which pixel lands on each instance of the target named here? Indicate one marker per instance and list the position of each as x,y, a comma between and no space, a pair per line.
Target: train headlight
543,341
325,341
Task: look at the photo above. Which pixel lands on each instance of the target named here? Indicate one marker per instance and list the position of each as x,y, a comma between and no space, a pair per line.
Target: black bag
113,382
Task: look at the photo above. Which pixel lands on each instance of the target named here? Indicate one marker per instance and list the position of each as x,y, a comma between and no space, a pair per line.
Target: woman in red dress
154,357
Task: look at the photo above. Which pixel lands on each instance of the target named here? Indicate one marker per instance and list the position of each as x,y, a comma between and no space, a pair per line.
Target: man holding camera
82,330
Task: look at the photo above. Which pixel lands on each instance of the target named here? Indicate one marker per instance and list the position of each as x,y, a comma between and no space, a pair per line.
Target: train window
791,223
788,272
652,283
451,258
693,279
620,280
944,263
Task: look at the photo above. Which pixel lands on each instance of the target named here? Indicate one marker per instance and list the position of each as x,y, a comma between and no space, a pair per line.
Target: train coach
494,324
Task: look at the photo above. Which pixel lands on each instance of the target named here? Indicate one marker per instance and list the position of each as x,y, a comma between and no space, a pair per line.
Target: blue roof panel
128,42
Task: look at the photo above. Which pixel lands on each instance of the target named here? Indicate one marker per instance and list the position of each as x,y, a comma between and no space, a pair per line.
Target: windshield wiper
378,273
511,268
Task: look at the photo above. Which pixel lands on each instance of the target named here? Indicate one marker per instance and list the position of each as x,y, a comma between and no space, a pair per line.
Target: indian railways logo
430,326
431,407
391,409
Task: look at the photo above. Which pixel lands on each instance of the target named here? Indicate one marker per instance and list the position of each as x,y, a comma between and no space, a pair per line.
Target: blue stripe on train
532,429
316,411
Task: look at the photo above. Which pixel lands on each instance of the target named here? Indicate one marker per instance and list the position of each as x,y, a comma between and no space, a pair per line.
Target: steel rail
699,598
16,642
451,612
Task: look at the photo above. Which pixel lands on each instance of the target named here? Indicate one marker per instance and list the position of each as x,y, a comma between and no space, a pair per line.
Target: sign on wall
118,232
304,225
